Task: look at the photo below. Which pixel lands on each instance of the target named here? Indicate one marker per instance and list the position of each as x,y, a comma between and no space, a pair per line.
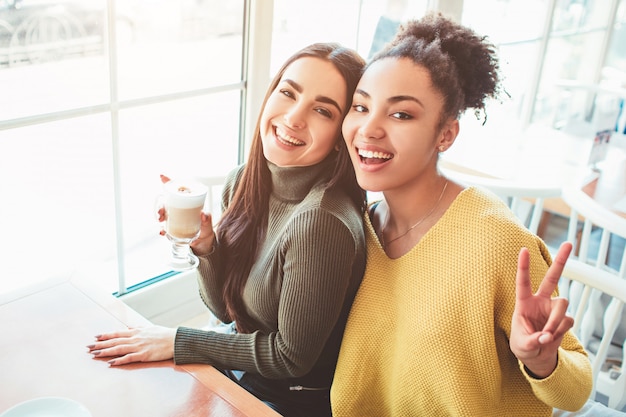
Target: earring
441,148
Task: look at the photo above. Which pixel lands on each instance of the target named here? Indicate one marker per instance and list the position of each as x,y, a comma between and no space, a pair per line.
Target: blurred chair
525,200
608,375
600,317
589,219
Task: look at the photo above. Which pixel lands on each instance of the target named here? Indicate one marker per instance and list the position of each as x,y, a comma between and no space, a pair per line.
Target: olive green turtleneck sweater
299,290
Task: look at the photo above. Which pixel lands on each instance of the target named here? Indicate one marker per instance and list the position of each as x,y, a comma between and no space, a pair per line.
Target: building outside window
93,110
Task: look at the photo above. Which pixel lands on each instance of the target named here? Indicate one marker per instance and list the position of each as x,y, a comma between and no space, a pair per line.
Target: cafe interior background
97,98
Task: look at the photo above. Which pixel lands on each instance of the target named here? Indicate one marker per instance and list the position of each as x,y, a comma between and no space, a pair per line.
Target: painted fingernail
111,362
96,352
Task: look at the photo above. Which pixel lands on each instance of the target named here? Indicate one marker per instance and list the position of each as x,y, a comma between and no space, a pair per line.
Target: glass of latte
183,201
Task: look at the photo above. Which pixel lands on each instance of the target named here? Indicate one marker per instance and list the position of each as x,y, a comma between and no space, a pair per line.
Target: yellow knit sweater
428,332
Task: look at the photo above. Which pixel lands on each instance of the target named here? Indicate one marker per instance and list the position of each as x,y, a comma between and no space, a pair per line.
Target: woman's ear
448,135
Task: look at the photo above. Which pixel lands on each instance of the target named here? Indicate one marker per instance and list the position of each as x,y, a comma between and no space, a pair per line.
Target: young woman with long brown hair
288,254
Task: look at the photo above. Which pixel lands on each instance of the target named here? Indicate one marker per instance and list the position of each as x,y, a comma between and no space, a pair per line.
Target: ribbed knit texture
299,290
428,332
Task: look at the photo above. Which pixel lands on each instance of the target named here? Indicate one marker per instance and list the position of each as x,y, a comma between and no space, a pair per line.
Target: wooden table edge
237,396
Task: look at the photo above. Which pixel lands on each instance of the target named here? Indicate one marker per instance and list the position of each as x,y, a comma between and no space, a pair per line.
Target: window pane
298,24
57,213
168,46
574,53
379,21
353,23
515,27
183,138
51,57
508,21
580,16
518,62
54,57
616,59
567,58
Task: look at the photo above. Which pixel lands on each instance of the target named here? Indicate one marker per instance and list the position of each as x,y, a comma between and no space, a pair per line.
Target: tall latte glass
183,201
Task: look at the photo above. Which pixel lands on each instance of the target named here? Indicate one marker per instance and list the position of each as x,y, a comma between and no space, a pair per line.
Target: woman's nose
371,128
295,117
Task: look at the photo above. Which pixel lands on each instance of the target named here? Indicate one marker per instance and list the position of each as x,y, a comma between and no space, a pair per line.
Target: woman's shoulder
491,227
335,200
484,212
230,185
234,175
231,180
320,205
477,201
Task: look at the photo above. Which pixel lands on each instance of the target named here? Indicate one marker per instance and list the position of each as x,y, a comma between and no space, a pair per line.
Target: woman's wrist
202,248
541,370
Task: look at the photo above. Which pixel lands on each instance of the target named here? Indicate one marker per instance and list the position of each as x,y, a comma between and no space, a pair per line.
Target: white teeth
283,136
372,154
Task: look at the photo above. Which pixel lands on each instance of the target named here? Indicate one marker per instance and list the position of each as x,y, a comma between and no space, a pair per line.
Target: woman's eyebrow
322,99
330,101
294,84
393,99
397,99
362,93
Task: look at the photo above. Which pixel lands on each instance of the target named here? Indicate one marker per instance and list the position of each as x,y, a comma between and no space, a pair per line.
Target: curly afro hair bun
462,64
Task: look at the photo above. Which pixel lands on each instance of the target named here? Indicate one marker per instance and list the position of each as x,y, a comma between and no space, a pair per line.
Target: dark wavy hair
243,224
463,65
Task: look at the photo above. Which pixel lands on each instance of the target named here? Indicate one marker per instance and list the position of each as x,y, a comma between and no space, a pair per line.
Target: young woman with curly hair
440,326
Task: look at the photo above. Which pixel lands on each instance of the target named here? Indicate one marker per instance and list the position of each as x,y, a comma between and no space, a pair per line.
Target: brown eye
324,112
287,93
402,115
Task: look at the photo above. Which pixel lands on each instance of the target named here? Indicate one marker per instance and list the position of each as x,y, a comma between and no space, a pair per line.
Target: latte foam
184,194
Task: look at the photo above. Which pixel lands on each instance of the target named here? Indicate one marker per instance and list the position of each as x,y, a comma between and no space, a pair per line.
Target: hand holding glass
183,202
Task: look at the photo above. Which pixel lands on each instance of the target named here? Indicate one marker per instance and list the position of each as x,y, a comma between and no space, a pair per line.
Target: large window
98,98
546,44
516,27
364,25
576,51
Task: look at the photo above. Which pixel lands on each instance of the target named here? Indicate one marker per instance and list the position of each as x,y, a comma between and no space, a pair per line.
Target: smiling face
392,130
302,117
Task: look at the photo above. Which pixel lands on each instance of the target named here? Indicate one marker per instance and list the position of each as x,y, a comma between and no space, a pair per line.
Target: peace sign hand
539,321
